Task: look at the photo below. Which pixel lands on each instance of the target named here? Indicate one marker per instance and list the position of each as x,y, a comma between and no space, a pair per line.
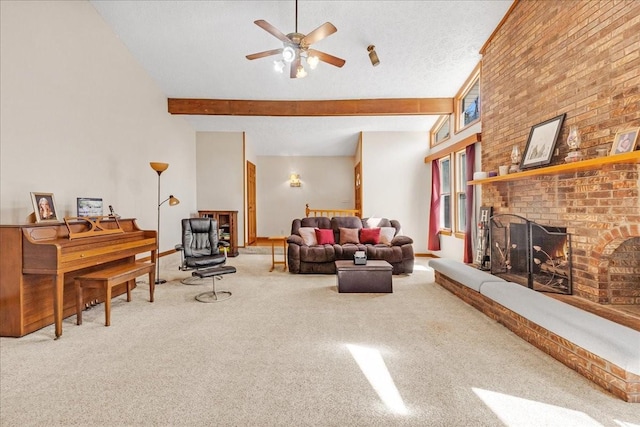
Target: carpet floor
289,350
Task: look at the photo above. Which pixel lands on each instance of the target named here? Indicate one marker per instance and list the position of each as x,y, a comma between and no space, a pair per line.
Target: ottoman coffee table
374,276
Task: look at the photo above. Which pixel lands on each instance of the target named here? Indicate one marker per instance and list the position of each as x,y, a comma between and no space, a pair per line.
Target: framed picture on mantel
542,143
625,141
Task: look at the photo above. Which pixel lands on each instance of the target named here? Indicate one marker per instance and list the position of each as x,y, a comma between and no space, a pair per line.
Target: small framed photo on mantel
542,143
625,141
44,206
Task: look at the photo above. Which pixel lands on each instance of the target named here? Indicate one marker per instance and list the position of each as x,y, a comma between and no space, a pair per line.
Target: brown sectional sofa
320,258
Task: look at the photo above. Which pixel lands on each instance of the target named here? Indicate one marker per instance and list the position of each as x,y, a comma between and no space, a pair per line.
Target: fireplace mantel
591,164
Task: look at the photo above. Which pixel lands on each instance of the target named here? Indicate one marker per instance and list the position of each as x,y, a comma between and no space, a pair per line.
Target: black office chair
203,252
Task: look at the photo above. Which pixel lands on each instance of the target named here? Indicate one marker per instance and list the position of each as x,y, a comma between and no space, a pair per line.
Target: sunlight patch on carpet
375,370
516,411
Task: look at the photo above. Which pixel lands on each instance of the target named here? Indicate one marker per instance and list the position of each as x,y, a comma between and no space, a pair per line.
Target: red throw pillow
370,235
324,236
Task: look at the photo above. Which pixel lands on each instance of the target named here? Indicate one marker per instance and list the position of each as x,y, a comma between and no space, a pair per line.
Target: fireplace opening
531,254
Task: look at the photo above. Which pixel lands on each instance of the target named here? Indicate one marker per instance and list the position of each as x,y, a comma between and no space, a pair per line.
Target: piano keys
38,263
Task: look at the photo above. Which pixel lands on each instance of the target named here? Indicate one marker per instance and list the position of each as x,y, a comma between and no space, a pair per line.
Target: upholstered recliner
306,256
200,248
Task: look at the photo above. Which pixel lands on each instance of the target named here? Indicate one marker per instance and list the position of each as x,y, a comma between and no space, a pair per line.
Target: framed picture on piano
89,206
44,206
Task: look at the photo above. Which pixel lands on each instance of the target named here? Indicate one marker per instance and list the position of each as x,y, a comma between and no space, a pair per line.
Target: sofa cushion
391,254
373,222
346,222
348,251
308,235
318,254
387,234
349,235
370,235
324,236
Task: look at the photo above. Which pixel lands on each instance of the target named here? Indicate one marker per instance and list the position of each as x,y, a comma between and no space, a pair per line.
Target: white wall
80,118
220,174
327,183
395,181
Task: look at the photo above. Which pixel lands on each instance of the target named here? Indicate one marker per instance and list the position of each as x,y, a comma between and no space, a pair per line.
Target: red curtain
470,157
434,219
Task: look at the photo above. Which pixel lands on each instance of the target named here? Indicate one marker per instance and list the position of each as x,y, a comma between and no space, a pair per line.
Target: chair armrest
295,239
179,247
223,243
401,240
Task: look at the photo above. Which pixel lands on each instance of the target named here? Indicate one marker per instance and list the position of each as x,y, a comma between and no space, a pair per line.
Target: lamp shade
159,166
173,201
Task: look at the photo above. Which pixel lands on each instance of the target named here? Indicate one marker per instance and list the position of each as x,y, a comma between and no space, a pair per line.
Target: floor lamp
159,168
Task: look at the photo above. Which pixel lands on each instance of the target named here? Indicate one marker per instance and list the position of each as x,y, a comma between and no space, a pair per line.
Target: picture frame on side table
625,141
542,142
44,207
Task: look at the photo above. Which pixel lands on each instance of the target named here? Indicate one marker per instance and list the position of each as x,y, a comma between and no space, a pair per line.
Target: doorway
251,204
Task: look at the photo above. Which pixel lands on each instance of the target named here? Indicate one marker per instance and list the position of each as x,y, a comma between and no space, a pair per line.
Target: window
461,193
441,130
467,102
445,194
471,105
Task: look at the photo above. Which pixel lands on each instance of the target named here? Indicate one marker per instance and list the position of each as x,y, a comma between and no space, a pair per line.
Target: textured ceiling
196,49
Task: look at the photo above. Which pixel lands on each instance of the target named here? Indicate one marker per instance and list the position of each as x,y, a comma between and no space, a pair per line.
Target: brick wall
624,273
581,58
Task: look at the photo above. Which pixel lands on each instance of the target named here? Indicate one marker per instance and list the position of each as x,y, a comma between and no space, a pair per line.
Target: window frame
458,110
439,124
446,231
460,187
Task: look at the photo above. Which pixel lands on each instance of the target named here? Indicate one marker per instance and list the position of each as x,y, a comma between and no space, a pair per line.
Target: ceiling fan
296,48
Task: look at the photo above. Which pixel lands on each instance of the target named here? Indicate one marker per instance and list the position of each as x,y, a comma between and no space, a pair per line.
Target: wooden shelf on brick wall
591,164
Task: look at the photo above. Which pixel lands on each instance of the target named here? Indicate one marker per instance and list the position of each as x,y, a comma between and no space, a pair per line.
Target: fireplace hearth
531,254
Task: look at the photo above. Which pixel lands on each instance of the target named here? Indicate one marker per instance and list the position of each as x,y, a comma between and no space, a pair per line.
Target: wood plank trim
589,164
472,139
344,107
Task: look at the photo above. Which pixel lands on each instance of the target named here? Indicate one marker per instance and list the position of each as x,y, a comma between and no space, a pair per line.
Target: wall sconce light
373,56
294,180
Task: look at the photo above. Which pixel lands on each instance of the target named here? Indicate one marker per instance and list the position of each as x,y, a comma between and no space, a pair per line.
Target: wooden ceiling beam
345,107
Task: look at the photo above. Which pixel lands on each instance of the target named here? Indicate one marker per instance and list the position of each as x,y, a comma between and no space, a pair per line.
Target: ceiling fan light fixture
313,61
288,54
278,66
373,56
300,72
295,51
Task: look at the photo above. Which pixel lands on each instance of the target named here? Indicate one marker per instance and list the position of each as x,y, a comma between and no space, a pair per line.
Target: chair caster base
213,296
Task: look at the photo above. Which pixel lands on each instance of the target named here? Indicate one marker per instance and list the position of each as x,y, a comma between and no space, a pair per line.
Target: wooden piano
38,263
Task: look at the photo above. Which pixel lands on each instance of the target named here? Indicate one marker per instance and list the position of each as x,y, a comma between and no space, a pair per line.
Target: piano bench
108,278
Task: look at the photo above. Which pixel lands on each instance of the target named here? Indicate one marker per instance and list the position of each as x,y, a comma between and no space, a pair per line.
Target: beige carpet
288,350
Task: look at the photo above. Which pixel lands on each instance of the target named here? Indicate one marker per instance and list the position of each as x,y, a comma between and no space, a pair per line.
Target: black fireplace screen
531,254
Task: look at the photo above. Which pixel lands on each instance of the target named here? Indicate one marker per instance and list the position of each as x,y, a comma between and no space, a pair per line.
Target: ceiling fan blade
293,71
325,57
318,34
272,30
265,53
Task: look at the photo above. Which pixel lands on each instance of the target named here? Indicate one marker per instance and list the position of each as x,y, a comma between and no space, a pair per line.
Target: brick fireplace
604,221
580,58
